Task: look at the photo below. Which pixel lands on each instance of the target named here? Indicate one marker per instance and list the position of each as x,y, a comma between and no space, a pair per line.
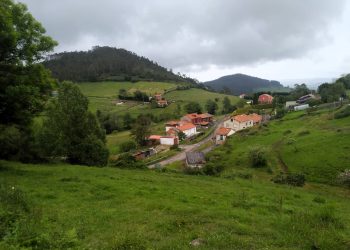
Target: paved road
188,148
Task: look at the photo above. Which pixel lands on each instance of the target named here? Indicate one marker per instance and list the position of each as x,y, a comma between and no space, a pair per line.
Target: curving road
189,148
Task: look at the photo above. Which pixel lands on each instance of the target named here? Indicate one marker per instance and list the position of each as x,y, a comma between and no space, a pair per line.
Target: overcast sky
274,39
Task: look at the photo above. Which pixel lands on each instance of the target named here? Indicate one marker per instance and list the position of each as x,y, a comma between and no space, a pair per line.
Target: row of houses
187,125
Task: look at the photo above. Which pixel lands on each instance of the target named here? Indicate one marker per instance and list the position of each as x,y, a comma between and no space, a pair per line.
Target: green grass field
75,207
314,144
199,95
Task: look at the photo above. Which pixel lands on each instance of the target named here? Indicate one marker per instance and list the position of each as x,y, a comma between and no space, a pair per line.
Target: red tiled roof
154,137
172,123
256,117
186,126
205,115
242,118
223,131
192,116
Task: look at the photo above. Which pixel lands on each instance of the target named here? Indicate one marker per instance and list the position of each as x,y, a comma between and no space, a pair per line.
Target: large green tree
193,107
211,106
71,131
25,84
141,129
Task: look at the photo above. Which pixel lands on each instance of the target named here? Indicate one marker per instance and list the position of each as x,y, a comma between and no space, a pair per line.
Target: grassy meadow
314,144
76,207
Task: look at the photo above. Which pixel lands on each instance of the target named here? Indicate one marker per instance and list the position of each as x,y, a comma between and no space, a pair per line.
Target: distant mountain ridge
240,83
107,63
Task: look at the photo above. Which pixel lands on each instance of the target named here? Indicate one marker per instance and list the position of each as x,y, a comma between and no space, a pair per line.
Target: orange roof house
265,99
198,119
222,133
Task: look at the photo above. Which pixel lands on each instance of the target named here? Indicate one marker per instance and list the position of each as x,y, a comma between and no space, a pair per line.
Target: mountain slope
240,83
106,63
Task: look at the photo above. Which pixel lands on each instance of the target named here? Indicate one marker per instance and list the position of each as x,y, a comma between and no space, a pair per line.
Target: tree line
108,64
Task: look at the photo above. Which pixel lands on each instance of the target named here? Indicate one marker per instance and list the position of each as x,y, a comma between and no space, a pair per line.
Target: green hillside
314,144
101,95
200,96
103,208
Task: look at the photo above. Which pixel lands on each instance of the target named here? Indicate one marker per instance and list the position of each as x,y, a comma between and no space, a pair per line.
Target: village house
198,119
305,98
265,99
163,140
240,122
222,133
195,159
242,96
162,103
188,129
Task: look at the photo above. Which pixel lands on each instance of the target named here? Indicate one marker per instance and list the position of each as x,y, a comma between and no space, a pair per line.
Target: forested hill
240,83
106,63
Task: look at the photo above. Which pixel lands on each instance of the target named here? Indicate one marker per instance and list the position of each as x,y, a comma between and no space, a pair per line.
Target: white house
169,140
222,133
188,129
240,122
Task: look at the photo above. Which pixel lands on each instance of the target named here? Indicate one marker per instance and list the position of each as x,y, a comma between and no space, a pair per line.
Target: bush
10,141
258,157
91,152
127,146
297,180
344,178
342,113
212,169
127,160
304,132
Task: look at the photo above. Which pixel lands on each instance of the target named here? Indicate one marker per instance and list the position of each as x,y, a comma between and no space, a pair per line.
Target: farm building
290,105
163,140
198,119
195,159
222,133
162,103
169,140
306,98
265,99
301,107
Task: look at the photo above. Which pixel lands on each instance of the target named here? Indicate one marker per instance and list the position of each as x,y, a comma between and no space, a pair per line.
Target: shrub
344,178
304,132
91,152
127,160
212,169
342,113
297,180
127,146
287,132
174,147
318,199
258,157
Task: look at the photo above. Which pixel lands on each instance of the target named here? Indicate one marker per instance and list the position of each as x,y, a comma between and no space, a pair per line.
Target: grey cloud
185,34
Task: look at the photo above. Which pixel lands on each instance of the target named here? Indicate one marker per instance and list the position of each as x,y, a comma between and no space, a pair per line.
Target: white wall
166,141
190,132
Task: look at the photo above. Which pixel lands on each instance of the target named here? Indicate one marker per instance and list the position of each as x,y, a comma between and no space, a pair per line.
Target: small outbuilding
195,159
222,133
